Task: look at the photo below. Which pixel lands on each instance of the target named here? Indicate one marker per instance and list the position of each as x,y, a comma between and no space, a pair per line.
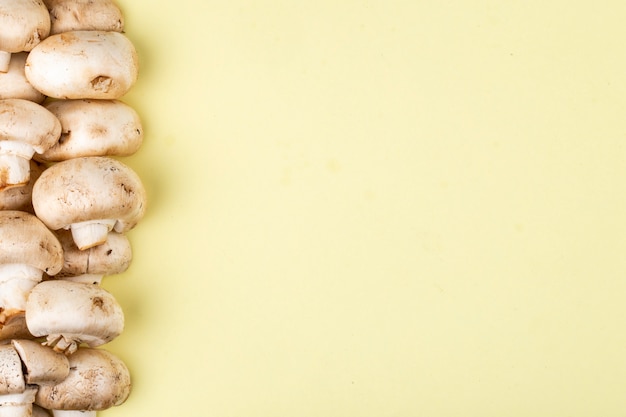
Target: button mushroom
41,364
27,249
83,64
25,128
94,128
90,196
24,24
70,15
70,313
91,265
97,380
16,398
13,82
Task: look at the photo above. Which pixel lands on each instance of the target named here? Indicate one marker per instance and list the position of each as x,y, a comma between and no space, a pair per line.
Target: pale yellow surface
377,209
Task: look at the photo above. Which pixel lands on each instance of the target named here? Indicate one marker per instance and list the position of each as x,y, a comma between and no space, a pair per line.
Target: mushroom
83,64
13,82
27,250
25,128
19,197
24,24
98,380
16,398
94,128
91,265
70,15
90,196
41,364
69,313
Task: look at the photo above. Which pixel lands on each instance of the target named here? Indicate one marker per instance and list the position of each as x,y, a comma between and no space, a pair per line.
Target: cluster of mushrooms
66,202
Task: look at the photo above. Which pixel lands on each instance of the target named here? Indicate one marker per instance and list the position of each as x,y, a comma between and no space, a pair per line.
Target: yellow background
378,208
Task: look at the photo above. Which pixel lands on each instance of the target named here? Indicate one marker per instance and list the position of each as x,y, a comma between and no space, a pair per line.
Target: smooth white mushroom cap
23,24
97,380
83,64
71,15
94,128
70,313
13,83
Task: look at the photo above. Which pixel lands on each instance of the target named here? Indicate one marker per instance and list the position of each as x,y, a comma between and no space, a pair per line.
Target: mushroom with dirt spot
27,250
98,380
24,24
90,196
91,265
70,313
83,64
25,128
71,15
94,128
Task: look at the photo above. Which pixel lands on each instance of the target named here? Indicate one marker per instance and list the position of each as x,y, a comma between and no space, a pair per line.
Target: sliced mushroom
13,82
20,197
94,128
27,250
91,265
98,380
70,313
71,15
83,64
25,128
24,24
90,196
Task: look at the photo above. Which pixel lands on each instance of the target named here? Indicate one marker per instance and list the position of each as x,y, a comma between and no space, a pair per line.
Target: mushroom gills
91,233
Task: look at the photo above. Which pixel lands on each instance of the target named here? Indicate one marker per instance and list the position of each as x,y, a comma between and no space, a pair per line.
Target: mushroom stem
16,281
91,233
5,59
14,163
18,405
73,413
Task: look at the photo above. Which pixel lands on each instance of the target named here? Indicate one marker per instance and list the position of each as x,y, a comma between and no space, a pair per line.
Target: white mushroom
25,128
83,64
27,249
41,364
70,313
91,265
98,380
13,82
19,197
91,196
16,398
23,23
94,128
70,15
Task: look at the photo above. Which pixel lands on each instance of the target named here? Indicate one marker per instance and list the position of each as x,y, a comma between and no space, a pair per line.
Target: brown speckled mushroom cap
97,380
70,15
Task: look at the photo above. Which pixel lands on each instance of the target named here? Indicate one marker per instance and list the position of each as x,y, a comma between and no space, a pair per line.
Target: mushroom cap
13,83
112,257
11,375
41,364
97,380
89,188
19,198
28,122
24,24
24,239
76,311
71,15
83,64
94,128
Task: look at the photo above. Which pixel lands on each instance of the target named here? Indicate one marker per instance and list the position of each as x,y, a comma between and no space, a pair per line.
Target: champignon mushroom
71,15
16,398
13,82
70,313
24,24
27,249
91,265
90,196
97,380
83,64
94,128
41,364
19,197
25,128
